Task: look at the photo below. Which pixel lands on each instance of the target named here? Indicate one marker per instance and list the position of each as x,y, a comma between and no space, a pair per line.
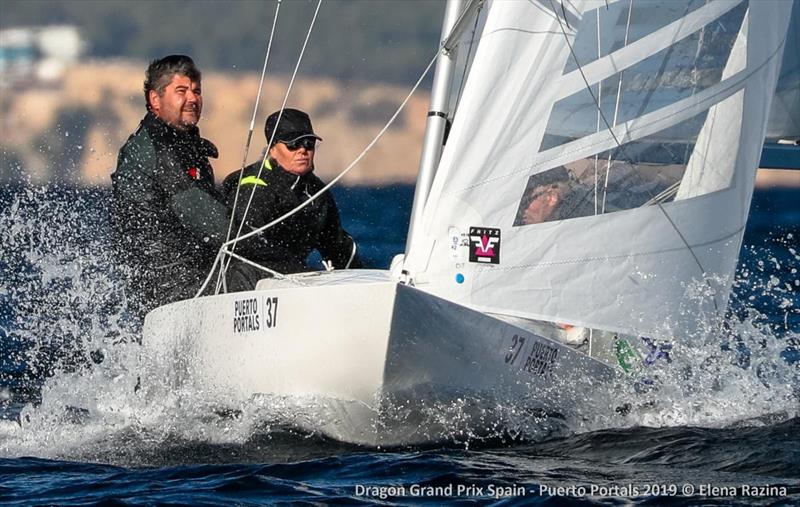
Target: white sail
784,118
548,206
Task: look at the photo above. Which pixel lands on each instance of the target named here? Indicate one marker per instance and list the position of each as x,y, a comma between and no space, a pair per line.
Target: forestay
601,205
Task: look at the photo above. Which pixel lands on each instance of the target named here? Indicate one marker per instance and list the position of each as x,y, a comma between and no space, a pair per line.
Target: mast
454,19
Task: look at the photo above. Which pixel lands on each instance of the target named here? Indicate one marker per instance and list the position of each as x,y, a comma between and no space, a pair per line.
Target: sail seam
584,260
724,89
613,135
626,57
630,127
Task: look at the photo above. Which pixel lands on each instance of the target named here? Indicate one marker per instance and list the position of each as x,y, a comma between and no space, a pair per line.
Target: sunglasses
308,143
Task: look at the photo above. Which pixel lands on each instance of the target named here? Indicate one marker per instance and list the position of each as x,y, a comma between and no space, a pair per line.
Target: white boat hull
382,363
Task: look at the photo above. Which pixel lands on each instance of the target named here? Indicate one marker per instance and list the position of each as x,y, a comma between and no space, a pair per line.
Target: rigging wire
280,113
272,137
564,11
599,99
220,276
348,168
619,145
616,105
224,250
597,129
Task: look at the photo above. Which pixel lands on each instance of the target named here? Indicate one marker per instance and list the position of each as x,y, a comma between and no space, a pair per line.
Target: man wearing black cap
168,218
284,181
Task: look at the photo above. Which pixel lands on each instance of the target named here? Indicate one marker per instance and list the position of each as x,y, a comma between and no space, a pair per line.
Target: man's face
181,103
299,161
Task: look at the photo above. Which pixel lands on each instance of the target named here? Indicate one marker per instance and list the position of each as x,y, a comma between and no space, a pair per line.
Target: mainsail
601,161
784,119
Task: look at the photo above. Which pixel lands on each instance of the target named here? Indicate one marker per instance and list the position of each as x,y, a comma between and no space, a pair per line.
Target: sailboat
600,166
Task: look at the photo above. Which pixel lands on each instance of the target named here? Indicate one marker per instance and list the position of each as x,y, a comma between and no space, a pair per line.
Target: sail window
612,22
679,71
690,158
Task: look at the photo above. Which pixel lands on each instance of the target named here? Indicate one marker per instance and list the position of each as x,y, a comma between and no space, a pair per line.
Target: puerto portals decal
246,316
484,245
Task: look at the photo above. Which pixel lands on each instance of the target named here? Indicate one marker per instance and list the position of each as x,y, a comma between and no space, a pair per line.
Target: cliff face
71,133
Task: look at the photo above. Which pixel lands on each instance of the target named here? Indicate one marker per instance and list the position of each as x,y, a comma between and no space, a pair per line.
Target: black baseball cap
294,124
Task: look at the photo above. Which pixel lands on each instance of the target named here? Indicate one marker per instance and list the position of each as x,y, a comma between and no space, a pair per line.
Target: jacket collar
166,134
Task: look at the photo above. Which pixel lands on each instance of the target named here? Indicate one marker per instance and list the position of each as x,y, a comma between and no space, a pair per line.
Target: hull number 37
271,311
539,361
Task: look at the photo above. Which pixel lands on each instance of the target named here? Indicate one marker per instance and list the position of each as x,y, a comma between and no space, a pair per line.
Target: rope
247,261
369,146
280,115
599,99
220,276
266,153
619,145
349,167
616,105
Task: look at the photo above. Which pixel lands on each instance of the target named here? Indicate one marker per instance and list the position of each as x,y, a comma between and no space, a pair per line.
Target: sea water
718,426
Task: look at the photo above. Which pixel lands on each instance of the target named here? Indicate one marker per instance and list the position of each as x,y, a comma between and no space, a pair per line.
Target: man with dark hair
160,74
168,218
284,181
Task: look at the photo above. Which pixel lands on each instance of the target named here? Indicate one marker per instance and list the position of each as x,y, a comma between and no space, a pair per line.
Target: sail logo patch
484,246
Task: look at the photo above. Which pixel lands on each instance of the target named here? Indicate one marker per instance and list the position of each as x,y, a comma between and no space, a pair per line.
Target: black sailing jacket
168,218
317,226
